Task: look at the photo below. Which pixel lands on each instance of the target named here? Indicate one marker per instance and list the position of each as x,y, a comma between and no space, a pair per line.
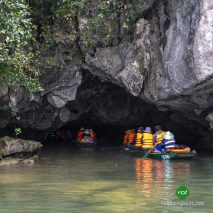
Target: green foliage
106,22
17,63
104,28
105,19
17,131
68,8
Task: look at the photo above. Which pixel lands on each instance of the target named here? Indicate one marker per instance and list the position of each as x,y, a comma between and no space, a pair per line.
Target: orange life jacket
80,134
138,142
131,137
92,135
148,140
126,138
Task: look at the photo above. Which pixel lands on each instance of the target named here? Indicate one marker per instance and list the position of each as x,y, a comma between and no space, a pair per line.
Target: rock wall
163,66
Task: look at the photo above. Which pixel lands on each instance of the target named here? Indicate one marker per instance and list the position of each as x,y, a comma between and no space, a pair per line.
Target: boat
135,153
172,155
159,156
85,143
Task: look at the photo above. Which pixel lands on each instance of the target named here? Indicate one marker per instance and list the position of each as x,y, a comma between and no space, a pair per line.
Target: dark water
65,180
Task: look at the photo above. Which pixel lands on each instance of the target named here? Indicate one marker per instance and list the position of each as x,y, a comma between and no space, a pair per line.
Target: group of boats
179,153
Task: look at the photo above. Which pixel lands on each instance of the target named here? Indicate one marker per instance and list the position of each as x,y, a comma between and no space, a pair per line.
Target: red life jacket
79,135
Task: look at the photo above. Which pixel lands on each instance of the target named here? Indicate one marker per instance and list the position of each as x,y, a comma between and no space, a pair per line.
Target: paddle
153,147
147,153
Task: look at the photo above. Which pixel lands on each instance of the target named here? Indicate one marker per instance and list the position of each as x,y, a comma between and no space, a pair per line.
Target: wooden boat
173,156
125,150
135,153
159,156
85,143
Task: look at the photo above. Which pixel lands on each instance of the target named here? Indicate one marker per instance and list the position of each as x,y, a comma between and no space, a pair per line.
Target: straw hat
168,135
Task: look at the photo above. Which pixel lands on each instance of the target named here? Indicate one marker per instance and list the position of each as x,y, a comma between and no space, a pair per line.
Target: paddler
80,134
138,140
92,134
126,136
131,137
147,139
158,136
168,142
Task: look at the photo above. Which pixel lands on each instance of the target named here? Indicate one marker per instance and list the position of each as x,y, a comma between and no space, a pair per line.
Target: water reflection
144,175
154,175
84,181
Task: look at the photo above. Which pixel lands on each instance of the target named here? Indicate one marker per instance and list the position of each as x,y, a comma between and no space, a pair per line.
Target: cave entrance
109,111
112,135
106,108
107,135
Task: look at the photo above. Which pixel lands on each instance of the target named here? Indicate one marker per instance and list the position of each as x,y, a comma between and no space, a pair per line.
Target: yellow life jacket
159,137
148,140
138,142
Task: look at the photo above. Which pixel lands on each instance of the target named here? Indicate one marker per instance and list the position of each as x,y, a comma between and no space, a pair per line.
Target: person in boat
147,139
138,139
126,137
168,142
80,134
87,135
158,136
131,137
92,134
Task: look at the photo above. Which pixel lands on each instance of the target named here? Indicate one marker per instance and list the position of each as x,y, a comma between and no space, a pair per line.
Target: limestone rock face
39,111
10,146
3,91
203,44
171,65
64,88
164,63
162,60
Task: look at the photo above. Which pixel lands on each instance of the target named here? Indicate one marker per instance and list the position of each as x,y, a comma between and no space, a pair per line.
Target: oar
147,154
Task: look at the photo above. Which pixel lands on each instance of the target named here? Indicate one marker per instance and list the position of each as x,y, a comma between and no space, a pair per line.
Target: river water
68,180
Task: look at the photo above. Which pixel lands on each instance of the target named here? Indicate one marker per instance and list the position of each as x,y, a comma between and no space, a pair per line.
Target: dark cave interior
109,110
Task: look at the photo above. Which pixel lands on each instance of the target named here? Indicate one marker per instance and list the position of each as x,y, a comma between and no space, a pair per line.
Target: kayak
170,155
159,156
